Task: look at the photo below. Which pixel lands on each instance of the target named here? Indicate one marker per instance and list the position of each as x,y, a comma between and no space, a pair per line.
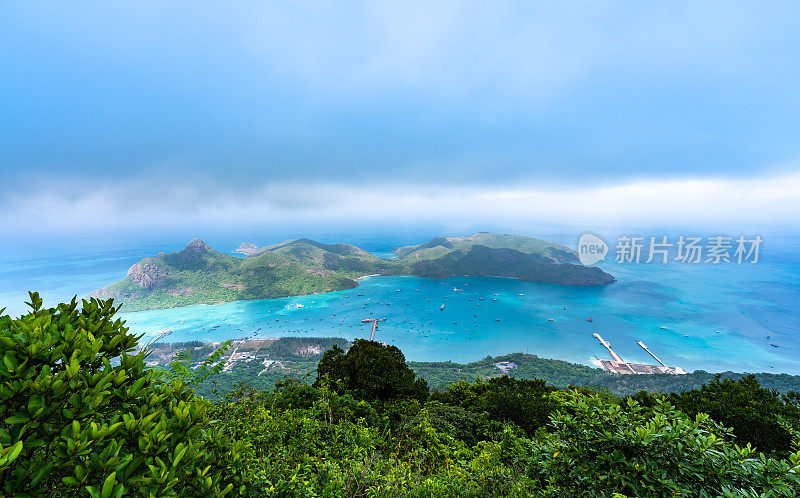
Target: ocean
706,317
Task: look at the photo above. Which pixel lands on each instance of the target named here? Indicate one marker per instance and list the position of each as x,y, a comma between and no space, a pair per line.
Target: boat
663,328
442,308
590,319
457,290
549,319
773,345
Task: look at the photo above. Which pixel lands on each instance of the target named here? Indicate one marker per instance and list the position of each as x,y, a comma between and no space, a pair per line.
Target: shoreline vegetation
84,415
263,363
200,275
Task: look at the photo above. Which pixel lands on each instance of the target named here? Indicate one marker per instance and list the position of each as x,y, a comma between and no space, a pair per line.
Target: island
198,274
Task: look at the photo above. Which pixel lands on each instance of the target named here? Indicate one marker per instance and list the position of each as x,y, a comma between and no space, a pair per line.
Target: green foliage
598,447
81,414
180,367
560,373
758,416
527,403
371,371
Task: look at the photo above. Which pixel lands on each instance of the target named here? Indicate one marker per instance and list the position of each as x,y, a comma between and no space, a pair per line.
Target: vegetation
561,374
82,415
198,274
297,357
370,371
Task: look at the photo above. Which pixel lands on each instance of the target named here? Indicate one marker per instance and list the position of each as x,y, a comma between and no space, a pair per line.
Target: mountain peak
197,245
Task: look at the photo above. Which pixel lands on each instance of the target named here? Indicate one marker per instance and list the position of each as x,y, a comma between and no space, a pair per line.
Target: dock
621,367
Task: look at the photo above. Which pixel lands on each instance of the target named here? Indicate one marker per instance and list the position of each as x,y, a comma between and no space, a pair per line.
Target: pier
619,366
374,326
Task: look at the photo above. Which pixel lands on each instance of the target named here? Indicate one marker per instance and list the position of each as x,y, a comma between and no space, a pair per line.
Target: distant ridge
198,274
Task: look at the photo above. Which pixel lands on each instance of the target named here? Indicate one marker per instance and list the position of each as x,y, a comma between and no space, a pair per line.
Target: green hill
84,415
200,275
554,253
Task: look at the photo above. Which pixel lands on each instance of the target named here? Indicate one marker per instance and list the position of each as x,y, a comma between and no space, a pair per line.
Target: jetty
621,367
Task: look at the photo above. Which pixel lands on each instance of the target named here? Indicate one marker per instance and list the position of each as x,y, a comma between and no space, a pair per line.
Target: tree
371,371
757,416
527,403
82,412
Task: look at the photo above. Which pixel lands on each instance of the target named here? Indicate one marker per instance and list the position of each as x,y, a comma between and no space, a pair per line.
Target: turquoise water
714,317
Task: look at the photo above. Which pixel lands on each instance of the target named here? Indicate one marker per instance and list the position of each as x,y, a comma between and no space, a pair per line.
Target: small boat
549,319
457,290
663,328
442,308
773,345
590,319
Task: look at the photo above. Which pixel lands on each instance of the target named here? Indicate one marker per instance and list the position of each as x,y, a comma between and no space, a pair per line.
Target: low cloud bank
135,204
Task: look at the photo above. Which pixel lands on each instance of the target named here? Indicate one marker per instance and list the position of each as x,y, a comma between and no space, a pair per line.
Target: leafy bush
598,447
81,414
371,370
527,403
758,416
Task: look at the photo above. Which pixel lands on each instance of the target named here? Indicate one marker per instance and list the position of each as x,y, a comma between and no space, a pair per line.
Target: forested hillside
199,274
83,415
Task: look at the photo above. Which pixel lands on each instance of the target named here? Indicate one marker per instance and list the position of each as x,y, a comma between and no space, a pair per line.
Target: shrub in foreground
81,414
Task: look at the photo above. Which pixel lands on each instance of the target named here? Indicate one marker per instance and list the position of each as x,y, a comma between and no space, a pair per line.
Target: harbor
436,323
621,367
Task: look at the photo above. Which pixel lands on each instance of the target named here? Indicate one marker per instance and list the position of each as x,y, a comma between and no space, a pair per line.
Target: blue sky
171,112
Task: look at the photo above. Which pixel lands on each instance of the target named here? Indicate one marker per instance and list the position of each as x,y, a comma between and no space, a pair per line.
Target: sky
142,114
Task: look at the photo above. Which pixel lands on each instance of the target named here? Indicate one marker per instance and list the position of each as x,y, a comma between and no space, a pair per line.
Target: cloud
144,204
397,91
